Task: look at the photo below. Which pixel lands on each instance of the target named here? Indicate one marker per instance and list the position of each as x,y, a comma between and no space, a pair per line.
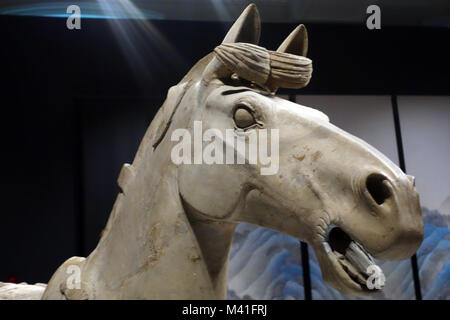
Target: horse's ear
296,43
247,27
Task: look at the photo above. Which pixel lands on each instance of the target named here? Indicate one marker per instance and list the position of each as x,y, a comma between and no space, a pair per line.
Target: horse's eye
243,117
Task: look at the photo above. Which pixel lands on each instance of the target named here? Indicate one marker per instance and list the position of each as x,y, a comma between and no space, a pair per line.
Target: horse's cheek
218,192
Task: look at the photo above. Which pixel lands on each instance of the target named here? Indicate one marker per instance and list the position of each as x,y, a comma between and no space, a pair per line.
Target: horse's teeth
351,270
358,257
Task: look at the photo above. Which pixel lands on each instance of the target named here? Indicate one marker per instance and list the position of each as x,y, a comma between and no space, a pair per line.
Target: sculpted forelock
269,69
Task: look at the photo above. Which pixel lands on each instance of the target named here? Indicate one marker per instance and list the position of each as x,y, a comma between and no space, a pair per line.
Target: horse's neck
214,238
150,249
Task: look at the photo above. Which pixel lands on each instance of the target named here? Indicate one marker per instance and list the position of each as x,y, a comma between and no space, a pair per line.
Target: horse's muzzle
396,201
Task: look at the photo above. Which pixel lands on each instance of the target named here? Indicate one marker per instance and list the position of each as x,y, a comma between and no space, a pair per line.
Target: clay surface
170,230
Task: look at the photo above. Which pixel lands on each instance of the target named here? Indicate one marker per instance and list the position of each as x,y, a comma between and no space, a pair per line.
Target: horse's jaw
344,262
214,239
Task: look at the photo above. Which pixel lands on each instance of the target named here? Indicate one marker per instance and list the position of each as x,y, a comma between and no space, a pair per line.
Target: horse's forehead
278,103
300,110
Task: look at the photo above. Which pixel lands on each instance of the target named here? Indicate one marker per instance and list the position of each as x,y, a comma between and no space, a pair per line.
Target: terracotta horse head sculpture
171,227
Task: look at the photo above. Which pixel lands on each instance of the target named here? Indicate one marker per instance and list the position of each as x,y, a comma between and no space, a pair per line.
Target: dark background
75,104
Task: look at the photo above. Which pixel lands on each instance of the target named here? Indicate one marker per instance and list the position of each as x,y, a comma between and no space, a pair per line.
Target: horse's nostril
377,189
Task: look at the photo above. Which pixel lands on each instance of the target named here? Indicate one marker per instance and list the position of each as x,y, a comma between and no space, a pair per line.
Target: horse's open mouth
354,260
